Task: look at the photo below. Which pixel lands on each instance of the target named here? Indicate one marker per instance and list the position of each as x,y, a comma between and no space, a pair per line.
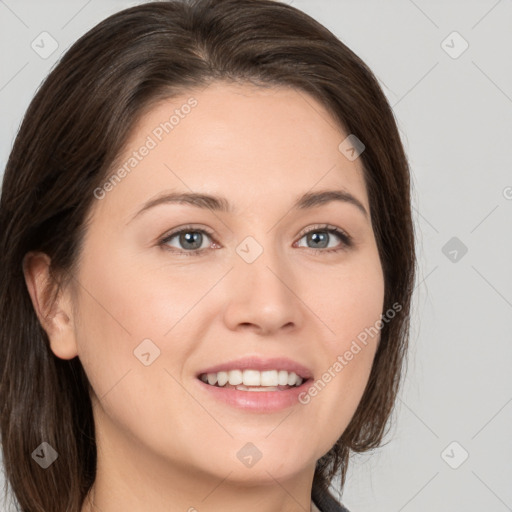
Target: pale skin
163,443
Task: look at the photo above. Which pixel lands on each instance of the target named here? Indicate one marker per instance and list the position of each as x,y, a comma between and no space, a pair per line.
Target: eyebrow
221,204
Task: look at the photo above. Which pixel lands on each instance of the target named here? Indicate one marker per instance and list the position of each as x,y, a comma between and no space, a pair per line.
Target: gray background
455,116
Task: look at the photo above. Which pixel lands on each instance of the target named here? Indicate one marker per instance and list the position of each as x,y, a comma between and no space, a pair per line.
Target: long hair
66,147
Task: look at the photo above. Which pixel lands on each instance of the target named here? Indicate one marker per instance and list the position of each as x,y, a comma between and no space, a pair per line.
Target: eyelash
346,239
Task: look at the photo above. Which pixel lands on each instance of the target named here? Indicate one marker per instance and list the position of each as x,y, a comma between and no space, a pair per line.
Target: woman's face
154,311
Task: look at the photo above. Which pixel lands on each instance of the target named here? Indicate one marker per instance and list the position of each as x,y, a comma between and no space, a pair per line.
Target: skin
163,444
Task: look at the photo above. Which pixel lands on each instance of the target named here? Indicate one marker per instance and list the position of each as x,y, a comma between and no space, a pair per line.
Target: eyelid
187,227
324,227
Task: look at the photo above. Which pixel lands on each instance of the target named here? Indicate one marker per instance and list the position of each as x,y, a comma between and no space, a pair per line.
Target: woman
208,265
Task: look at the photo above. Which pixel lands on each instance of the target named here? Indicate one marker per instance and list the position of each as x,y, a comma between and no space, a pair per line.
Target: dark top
325,501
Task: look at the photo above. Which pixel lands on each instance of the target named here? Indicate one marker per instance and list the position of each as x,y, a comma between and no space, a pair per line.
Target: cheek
135,300
347,300
115,315
121,310
123,304
351,306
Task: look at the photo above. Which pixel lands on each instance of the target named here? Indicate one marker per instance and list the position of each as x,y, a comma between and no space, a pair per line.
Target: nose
263,296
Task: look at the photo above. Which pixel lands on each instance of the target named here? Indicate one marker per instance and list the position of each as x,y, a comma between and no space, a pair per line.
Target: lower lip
257,401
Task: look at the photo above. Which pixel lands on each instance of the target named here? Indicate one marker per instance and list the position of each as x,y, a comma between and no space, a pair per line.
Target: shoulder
325,501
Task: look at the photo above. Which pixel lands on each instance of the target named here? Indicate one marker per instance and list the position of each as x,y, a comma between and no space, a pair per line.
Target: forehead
243,141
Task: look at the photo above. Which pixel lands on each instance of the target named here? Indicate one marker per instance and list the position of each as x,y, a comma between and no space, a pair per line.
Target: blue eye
191,240
320,236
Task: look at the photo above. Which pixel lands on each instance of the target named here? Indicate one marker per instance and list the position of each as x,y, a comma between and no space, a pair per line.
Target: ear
54,313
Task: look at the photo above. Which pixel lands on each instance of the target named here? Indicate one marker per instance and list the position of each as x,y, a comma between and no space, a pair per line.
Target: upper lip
261,364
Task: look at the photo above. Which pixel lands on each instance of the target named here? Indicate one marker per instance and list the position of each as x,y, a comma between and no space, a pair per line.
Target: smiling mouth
253,380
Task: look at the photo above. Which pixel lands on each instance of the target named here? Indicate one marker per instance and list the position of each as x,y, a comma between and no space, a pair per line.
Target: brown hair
69,139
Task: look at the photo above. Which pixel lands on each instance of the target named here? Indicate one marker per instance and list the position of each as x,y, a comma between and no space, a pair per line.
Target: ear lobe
54,313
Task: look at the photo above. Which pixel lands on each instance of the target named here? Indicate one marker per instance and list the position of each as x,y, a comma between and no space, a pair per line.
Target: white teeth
292,377
282,378
245,388
235,377
222,378
253,380
269,378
